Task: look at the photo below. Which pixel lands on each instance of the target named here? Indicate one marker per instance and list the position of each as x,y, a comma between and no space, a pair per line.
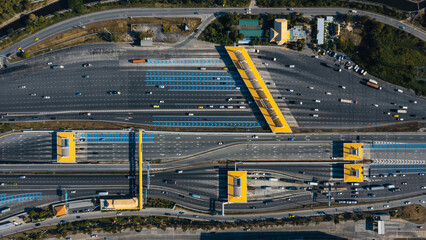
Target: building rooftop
320,28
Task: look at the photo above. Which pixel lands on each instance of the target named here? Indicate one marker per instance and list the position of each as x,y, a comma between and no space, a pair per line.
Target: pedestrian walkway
4,200
397,146
206,122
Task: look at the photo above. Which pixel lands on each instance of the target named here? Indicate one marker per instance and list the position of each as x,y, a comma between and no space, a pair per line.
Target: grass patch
412,213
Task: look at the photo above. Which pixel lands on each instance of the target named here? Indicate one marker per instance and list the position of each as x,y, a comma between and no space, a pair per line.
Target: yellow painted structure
352,151
337,29
65,147
280,34
140,171
258,90
354,173
237,186
60,210
119,204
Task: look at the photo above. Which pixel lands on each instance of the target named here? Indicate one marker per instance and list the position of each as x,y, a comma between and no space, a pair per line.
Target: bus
195,195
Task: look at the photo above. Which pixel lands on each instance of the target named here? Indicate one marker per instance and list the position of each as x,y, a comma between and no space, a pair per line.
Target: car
219,143
87,65
73,191
196,13
33,94
201,107
288,199
252,207
229,99
22,177
94,236
62,222
291,139
315,109
211,106
392,175
420,227
422,187
247,229
291,215
155,106
19,48
385,206
328,93
163,192
399,90
407,202
376,105
22,86
196,216
37,224
161,101
343,87
49,63
371,195
314,115
281,97
421,174
221,106
290,90
401,27
75,211
266,64
114,92
310,87
119,214
339,193
404,183
179,171
36,39
254,136
85,76
78,93
421,201
317,101
148,93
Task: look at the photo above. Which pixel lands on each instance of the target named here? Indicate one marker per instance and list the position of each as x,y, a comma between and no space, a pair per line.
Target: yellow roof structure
237,186
353,173
352,151
65,147
119,204
258,90
60,210
280,34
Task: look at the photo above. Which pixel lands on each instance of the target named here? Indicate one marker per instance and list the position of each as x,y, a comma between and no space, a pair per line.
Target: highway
210,182
192,148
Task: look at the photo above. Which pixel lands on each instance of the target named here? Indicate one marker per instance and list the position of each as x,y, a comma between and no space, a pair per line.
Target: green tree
142,35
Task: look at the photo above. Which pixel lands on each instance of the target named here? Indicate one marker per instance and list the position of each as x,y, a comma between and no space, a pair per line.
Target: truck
370,84
389,186
102,193
252,50
57,67
312,183
5,210
138,60
347,101
374,188
401,111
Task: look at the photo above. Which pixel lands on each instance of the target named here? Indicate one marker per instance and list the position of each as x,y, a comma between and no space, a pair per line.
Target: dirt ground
413,213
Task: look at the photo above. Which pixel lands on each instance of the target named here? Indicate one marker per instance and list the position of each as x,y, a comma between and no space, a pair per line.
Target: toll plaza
65,147
237,186
258,90
352,151
353,173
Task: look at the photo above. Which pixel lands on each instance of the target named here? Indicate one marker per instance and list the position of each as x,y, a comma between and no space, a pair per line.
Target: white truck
347,101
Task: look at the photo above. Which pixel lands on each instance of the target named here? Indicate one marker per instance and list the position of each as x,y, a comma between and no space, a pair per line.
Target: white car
316,109
343,87
49,63
314,115
310,87
22,86
46,97
328,93
421,201
266,64
317,101
254,136
385,206
407,202
376,105
370,208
